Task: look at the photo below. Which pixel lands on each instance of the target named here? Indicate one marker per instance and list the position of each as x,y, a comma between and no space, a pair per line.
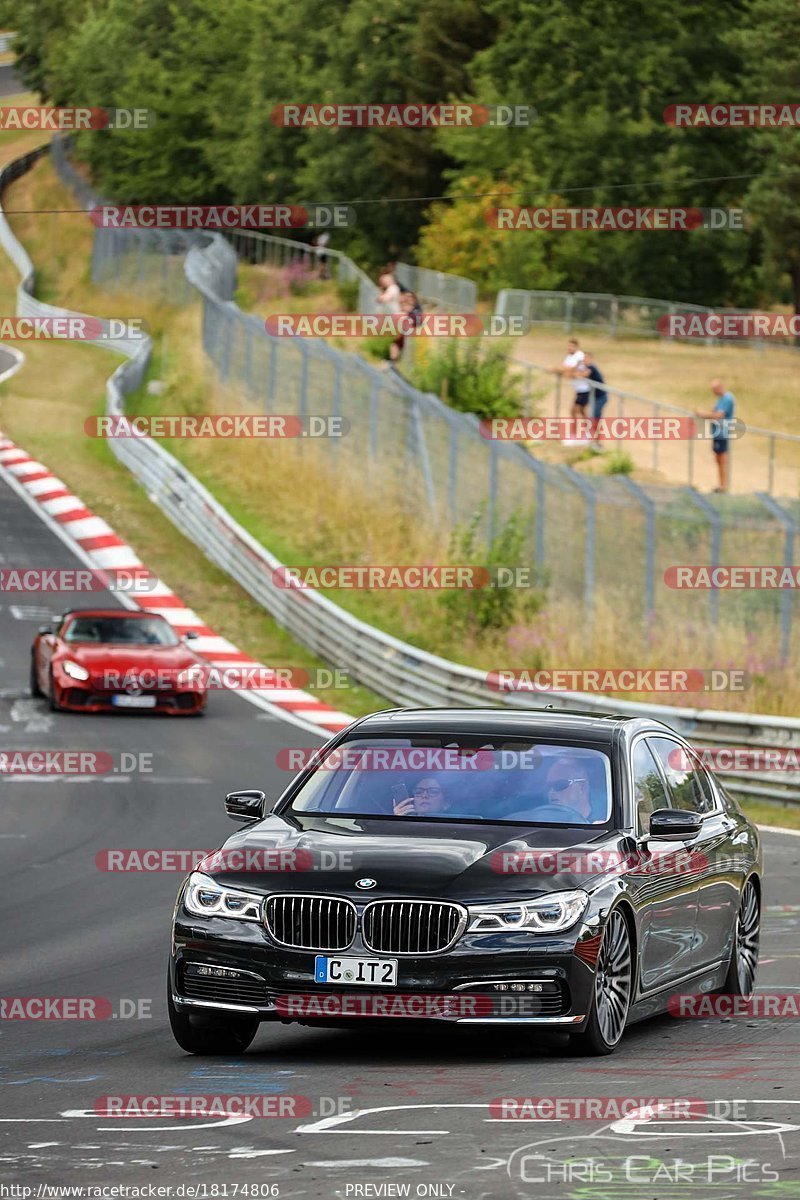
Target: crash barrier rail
6,42
392,668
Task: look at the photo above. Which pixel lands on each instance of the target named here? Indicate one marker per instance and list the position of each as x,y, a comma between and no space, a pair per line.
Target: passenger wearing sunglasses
567,786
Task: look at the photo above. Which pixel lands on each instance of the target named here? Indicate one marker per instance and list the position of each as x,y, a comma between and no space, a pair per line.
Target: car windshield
452,779
121,631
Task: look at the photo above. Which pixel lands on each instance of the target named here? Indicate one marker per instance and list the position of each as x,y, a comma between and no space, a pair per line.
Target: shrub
491,607
471,380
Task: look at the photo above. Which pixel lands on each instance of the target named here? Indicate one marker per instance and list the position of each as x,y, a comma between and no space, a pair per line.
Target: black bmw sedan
544,869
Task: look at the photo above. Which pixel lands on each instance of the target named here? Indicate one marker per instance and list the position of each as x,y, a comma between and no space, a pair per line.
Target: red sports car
99,660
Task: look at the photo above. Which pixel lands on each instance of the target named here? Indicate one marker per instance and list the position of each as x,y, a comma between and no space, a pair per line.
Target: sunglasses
561,785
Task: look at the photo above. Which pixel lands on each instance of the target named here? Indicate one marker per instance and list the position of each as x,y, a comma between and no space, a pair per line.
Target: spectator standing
580,387
589,370
722,417
321,246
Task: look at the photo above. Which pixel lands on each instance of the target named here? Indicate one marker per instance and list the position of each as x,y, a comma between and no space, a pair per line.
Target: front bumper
232,966
79,696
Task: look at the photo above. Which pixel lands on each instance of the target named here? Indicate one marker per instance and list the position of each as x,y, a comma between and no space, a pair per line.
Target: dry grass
260,481
765,382
44,406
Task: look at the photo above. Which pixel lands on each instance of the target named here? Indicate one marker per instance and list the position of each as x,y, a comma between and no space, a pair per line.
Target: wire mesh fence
595,540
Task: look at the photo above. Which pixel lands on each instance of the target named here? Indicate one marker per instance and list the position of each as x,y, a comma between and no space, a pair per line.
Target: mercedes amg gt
106,660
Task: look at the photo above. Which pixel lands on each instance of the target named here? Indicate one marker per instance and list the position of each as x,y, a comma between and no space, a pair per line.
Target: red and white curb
96,543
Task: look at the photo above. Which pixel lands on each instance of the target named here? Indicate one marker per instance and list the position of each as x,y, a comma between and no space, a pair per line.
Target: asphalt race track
414,1107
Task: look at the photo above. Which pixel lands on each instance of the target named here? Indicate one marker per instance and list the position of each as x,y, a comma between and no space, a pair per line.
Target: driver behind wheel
567,785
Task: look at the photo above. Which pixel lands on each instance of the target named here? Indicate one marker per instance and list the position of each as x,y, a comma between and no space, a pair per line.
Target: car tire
741,977
611,993
34,679
210,1034
54,705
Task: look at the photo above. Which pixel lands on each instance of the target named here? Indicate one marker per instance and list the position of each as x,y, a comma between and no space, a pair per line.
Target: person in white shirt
389,295
580,385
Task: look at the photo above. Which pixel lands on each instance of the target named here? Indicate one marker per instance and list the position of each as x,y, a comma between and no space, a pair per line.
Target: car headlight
74,670
548,914
207,898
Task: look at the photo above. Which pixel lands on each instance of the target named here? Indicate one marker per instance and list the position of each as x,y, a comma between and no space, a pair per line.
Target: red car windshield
121,631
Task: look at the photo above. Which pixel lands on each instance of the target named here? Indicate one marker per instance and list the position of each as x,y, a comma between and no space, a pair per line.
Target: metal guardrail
392,668
6,42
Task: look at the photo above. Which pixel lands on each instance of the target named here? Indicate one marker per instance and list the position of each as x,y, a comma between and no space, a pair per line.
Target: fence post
422,448
588,493
452,473
771,465
568,312
493,478
716,543
650,544
790,529
272,381
248,359
337,400
373,420
303,390
656,407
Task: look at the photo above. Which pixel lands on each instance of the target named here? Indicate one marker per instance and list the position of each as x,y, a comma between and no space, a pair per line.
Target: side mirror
245,806
191,635
674,824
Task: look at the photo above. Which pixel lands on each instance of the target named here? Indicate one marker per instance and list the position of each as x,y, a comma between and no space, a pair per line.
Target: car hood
95,657
460,861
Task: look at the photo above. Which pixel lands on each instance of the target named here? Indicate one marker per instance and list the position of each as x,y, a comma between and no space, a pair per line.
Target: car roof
108,612
491,721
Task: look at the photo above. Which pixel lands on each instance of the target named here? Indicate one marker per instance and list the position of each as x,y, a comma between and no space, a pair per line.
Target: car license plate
373,972
134,701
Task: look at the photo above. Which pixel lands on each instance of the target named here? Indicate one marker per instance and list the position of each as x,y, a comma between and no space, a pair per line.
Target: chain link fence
595,540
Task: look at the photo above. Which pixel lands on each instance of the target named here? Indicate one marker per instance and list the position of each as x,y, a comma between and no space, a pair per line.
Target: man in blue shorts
722,416
589,369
